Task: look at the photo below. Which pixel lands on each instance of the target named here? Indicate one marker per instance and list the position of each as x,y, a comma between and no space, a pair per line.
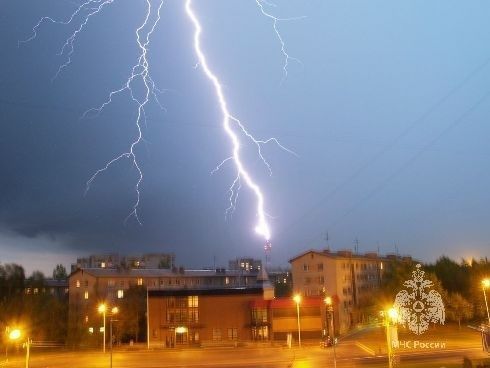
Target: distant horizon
46,266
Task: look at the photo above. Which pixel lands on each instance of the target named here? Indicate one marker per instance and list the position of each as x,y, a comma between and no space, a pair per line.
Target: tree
59,272
458,308
132,314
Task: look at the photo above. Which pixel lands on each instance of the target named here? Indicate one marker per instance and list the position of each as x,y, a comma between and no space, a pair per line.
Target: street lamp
329,304
390,314
485,285
297,299
114,311
15,335
102,309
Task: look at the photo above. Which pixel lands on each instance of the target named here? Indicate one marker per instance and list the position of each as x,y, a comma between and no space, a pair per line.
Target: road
364,349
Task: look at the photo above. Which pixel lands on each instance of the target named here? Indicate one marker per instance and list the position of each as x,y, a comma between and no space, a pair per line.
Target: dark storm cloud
344,110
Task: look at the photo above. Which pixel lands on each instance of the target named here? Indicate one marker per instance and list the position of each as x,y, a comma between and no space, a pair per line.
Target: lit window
101,329
91,330
140,281
193,301
28,290
78,283
102,265
381,265
120,294
86,319
86,295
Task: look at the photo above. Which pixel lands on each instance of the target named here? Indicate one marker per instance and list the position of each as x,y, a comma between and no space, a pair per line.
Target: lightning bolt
262,227
275,21
140,73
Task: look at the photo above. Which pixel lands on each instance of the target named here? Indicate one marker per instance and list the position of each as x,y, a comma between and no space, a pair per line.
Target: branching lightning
140,73
275,20
262,226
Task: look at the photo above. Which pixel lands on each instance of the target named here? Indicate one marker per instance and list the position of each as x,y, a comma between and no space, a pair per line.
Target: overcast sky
387,109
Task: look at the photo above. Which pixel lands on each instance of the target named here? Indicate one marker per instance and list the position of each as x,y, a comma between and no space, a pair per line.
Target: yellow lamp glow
14,334
102,308
297,298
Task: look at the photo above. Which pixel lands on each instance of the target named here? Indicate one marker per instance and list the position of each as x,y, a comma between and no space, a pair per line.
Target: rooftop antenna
356,245
326,238
267,251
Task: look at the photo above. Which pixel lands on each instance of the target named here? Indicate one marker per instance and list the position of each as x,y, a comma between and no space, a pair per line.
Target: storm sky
387,110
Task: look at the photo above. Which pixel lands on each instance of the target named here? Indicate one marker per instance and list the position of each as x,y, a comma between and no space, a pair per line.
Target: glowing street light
114,311
390,315
297,300
485,285
14,334
102,309
329,304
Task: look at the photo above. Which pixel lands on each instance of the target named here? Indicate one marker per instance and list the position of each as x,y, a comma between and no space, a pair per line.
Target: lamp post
102,309
485,285
393,315
329,304
297,299
114,311
14,335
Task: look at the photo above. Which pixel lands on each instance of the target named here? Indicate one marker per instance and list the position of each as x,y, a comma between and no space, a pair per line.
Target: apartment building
343,275
115,260
91,286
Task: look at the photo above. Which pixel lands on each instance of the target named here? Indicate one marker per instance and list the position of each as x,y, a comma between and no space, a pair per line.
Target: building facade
199,316
116,261
348,278
90,287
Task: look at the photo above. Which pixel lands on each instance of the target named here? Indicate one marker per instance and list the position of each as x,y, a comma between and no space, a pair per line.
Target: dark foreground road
348,355
366,348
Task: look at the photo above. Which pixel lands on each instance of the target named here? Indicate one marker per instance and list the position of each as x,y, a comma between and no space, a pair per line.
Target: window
306,267
86,295
320,267
232,333
321,280
227,280
86,283
259,315
78,283
121,283
140,281
86,319
102,264
216,334
260,333
111,283
120,294
193,301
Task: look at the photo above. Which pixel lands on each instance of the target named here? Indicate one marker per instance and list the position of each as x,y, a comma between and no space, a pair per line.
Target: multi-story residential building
92,286
114,260
245,264
347,277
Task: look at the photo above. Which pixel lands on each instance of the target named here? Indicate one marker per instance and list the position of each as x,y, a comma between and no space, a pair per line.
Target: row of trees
26,302
460,285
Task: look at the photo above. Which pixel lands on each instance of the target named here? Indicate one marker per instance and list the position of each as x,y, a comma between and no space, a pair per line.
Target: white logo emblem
418,308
